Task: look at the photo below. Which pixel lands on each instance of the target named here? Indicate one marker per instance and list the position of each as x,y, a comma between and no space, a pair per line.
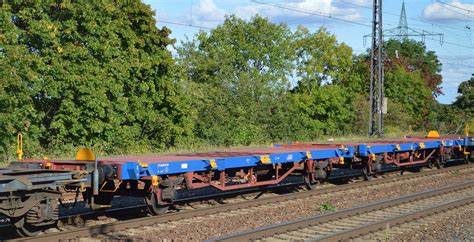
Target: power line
397,15
301,11
183,24
321,14
451,43
362,6
454,6
450,9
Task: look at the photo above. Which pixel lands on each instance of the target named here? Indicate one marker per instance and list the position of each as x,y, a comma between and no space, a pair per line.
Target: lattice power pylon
376,72
402,31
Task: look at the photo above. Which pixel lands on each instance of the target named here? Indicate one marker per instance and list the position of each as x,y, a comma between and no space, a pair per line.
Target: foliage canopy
100,74
90,73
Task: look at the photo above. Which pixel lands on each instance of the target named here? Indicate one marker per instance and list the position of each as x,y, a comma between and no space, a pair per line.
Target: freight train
31,190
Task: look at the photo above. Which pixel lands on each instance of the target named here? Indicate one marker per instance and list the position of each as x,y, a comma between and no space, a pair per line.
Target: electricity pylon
376,64
376,72
402,31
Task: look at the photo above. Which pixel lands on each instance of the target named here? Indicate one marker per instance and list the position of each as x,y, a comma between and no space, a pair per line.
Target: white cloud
456,69
451,11
289,10
206,13
366,3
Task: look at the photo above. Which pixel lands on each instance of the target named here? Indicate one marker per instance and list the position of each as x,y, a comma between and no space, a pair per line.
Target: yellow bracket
19,149
467,153
466,130
213,163
344,148
143,165
265,159
373,157
459,147
154,180
308,155
422,145
341,160
397,147
115,189
48,165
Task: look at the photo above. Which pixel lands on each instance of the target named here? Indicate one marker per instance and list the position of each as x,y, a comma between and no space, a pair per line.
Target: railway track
355,222
87,231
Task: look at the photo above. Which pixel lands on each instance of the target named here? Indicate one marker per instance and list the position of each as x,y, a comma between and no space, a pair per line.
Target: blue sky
453,18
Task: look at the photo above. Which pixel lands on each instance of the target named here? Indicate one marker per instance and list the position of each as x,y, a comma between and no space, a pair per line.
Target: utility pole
376,73
401,32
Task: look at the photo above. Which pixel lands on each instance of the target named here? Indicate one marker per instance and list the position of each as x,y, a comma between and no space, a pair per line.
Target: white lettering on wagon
162,168
184,166
289,157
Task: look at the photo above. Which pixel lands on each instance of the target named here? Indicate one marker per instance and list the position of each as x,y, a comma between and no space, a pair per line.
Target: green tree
465,100
321,105
325,110
414,56
241,68
464,104
409,90
321,59
412,80
16,104
97,73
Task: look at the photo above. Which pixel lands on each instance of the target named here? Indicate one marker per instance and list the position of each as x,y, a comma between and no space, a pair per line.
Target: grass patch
327,208
387,235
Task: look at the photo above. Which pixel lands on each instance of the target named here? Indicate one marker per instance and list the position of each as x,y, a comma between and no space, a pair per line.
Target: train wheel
367,174
25,229
310,182
309,175
439,163
153,206
370,167
431,163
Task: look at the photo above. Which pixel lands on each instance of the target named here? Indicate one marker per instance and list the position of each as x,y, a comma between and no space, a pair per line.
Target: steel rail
88,231
268,231
354,233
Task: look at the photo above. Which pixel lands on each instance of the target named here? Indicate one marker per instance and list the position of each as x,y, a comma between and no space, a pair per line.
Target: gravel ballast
219,224
452,225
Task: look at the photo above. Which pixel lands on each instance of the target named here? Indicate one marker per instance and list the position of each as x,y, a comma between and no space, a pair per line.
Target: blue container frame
134,170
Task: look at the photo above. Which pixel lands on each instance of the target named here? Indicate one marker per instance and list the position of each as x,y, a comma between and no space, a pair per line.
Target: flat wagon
30,189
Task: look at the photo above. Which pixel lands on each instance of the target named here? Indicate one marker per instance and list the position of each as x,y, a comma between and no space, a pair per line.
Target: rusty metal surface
211,154
281,148
107,228
228,153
